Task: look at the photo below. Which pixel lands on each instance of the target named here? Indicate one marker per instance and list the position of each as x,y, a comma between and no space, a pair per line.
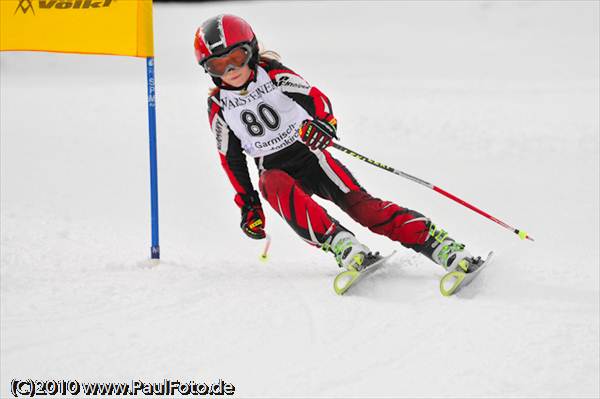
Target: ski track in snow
494,102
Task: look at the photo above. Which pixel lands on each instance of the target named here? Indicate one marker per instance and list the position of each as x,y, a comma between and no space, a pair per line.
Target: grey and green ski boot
454,257
448,253
350,253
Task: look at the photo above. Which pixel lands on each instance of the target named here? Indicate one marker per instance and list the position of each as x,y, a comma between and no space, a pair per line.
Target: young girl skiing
266,110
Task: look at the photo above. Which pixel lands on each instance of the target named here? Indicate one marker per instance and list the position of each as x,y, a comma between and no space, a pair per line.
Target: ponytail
267,55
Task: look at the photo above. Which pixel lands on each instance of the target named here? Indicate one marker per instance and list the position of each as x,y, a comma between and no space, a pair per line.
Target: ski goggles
238,57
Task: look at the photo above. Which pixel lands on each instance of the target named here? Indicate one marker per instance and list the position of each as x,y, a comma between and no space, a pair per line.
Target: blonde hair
267,55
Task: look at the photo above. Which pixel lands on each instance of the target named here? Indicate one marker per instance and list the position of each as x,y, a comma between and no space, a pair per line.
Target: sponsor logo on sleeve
221,131
292,83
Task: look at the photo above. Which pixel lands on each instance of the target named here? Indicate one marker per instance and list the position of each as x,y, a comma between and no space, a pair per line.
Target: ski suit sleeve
294,86
233,160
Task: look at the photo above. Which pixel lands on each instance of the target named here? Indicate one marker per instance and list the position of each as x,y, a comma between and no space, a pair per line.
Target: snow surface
497,103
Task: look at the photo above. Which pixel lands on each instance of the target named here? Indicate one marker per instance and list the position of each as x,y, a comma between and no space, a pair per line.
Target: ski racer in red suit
263,109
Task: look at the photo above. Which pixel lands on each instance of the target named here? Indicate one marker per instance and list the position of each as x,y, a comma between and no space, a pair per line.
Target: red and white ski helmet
218,35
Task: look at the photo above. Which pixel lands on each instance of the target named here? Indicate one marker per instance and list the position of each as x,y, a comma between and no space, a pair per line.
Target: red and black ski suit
290,176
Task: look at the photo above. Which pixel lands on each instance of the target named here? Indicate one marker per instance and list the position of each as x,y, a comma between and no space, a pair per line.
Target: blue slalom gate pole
155,249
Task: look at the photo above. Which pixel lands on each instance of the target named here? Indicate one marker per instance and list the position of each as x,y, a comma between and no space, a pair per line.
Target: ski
454,281
346,279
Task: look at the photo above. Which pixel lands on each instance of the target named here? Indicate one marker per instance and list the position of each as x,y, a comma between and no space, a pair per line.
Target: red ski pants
289,193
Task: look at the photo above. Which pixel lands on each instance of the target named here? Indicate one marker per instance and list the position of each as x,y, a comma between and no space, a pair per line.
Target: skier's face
237,77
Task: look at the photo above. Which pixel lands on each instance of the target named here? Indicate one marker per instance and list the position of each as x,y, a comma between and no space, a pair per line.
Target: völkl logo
26,5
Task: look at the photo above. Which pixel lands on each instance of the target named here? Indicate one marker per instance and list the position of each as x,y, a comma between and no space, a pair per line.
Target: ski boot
350,253
448,253
460,265
357,260
453,256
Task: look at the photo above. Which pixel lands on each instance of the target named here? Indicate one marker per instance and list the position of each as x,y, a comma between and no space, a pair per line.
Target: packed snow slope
494,102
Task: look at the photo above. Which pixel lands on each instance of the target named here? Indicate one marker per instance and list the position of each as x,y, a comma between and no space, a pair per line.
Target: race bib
263,118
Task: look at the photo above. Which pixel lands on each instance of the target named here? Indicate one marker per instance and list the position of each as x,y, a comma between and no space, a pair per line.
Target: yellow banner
116,27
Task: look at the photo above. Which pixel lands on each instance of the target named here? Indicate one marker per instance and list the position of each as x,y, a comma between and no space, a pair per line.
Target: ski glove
317,133
253,217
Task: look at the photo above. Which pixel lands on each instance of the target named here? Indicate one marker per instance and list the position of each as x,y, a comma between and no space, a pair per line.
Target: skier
261,108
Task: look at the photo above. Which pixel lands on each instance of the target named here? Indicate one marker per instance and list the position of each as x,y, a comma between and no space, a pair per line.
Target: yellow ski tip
344,280
450,282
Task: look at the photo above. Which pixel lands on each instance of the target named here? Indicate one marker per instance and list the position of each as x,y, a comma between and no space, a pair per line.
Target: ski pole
265,252
523,235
